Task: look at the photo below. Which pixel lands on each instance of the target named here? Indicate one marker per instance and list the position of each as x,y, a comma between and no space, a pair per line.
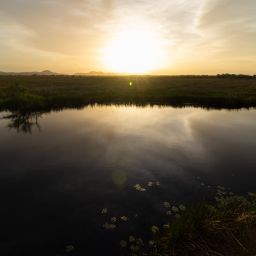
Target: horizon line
102,73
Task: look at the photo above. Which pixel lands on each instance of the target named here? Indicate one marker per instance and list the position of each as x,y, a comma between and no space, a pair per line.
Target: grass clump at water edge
225,228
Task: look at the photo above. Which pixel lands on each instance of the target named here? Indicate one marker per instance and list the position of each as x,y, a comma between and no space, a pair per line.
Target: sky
157,37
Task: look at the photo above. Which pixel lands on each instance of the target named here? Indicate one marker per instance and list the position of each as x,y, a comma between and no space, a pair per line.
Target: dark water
57,173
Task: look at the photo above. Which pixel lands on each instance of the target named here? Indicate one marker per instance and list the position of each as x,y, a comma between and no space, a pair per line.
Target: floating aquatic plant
139,188
109,226
113,219
150,183
69,248
175,209
182,207
151,242
220,187
167,205
220,193
104,211
154,229
124,218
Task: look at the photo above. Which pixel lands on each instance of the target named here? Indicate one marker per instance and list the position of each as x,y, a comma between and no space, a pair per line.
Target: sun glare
133,49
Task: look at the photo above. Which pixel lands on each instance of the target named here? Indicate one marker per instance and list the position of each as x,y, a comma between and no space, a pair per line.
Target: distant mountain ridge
32,73
100,73
50,73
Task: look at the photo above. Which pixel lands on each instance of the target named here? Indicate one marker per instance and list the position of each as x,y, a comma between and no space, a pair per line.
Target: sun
133,49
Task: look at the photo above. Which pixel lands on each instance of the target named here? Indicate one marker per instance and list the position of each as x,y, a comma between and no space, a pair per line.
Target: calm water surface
55,181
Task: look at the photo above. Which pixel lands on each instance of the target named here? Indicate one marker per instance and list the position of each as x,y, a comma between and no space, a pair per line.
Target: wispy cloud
200,35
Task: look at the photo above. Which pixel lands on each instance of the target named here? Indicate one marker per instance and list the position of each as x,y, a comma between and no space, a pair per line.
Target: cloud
73,26
232,23
220,36
194,31
58,26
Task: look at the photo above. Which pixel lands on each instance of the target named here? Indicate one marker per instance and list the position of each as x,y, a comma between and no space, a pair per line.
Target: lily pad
151,242
109,226
150,183
154,229
167,205
104,211
182,207
113,219
124,218
175,209
69,248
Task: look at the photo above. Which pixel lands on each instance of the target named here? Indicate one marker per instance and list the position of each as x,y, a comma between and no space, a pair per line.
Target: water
60,169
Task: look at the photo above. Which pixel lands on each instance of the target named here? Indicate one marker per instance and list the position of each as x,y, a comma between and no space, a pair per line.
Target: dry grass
225,229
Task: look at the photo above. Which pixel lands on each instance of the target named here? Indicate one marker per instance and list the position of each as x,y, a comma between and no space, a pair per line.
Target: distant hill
33,73
50,73
99,73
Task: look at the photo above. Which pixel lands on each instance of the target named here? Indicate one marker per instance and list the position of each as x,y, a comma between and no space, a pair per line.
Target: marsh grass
54,92
225,228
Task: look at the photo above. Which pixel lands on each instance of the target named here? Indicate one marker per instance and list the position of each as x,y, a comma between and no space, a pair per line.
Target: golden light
134,49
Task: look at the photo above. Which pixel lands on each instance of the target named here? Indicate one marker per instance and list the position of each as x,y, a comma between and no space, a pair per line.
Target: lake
60,169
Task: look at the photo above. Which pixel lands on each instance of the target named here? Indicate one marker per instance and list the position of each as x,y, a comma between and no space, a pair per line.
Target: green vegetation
225,228
35,93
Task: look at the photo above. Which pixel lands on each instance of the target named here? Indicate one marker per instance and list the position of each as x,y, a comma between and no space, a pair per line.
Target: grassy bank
222,229
55,92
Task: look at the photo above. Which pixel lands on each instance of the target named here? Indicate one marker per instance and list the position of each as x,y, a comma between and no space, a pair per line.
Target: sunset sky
156,37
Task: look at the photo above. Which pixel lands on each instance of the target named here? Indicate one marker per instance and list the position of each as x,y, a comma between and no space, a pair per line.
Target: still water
60,169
